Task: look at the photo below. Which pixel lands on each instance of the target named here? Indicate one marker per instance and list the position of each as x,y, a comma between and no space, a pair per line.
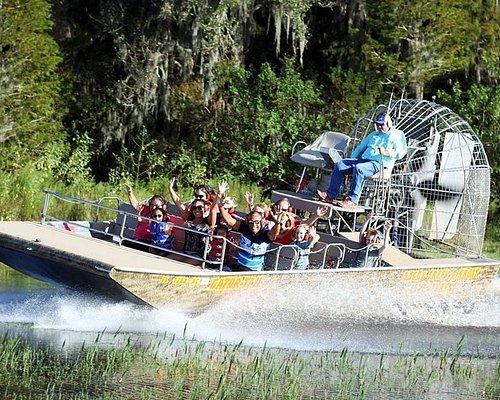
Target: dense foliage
141,90
30,122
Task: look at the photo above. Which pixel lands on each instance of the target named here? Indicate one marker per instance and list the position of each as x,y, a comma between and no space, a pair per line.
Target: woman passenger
194,219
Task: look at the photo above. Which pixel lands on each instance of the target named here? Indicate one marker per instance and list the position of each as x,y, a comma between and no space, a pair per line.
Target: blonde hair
264,206
301,226
291,218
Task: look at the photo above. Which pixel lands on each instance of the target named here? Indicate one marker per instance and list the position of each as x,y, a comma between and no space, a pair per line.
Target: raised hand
223,187
171,182
249,198
321,211
128,188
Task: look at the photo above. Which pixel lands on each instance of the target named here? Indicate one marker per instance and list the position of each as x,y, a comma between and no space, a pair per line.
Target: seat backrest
130,222
334,140
312,156
285,258
334,255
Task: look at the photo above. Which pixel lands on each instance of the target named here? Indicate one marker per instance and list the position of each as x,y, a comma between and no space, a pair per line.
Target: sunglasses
254,222
199,196
198,208
158,216
380,125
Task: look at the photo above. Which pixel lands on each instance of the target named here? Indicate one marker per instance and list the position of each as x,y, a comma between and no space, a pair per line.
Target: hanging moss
128,57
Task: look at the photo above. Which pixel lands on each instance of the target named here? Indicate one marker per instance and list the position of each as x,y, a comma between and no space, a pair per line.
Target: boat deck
105,253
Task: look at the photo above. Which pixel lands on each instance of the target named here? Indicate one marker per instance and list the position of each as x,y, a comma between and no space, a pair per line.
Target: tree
410,43
480,106
129,62
29,116
263,117
486,63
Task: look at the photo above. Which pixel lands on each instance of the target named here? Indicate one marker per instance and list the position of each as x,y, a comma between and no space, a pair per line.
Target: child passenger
160,231
217,246
369,255
305,237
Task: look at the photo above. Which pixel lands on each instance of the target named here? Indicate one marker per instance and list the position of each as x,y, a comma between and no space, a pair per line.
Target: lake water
45,314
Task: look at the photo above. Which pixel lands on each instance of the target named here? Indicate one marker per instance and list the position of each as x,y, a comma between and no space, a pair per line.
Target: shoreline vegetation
186,369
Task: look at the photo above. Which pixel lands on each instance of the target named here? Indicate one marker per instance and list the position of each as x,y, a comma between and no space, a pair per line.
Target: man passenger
254,239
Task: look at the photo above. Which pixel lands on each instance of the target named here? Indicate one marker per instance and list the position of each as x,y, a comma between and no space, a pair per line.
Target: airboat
437,198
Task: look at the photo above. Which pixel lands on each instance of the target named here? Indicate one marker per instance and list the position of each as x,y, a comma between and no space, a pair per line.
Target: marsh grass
186,369
21,194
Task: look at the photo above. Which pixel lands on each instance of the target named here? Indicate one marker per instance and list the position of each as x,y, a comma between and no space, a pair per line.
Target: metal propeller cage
439,192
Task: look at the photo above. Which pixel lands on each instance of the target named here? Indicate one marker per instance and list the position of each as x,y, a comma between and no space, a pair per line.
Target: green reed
21,194
188,369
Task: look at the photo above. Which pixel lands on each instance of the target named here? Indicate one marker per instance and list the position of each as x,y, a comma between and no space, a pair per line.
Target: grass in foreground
217,371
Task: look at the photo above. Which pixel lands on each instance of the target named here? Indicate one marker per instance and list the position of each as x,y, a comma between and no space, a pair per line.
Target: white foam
314,323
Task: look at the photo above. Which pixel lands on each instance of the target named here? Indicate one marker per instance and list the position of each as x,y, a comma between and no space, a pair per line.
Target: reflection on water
55,316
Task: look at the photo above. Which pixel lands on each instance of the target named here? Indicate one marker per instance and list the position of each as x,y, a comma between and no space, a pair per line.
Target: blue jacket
394,141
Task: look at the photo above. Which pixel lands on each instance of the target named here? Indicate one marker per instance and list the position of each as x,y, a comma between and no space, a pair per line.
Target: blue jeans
359,168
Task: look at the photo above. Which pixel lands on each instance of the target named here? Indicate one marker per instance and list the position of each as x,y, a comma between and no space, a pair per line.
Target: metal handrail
376,261
284,247
121,237
296,144
105,198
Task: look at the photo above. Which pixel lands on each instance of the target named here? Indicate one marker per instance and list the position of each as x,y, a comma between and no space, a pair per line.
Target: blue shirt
253,247
394,141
